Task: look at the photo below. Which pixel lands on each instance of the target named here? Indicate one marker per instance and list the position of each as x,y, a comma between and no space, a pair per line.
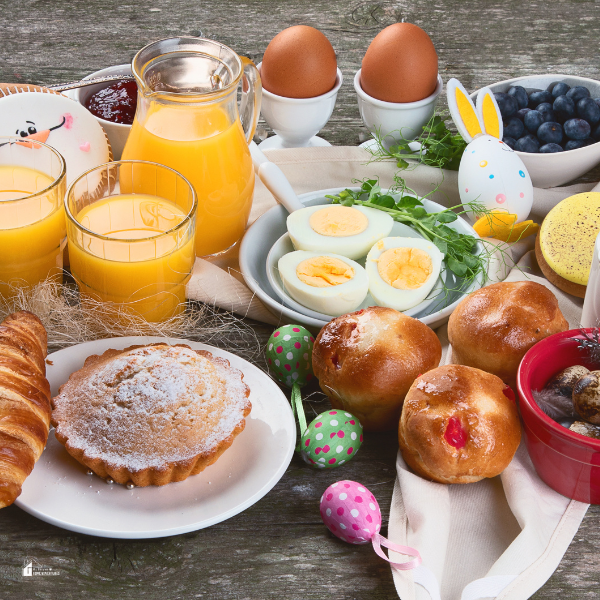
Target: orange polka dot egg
289,355
331,440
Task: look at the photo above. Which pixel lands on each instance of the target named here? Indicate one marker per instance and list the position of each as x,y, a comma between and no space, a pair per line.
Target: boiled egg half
346,230
327,283
402,271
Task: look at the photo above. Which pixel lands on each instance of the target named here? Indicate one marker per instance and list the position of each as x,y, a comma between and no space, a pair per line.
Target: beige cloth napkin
218,281
499,538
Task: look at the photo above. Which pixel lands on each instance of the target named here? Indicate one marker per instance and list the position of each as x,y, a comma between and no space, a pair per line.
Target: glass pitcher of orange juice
187,118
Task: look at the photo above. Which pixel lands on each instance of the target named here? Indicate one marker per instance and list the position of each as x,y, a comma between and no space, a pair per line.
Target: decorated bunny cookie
490,173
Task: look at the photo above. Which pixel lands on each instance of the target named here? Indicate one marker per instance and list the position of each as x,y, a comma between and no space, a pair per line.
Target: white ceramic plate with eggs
266,241
60,492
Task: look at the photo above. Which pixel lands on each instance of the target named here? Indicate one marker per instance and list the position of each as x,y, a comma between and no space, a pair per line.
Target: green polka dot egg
331,440
289,355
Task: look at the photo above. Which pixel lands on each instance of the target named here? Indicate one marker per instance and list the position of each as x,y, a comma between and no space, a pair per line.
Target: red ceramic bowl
568,462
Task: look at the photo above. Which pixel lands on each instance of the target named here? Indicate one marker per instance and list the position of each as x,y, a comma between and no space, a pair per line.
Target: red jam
455,435
115,103
507,391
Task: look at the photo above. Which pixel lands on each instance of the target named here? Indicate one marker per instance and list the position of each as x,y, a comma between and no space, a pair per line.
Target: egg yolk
338,221
405,268
324,271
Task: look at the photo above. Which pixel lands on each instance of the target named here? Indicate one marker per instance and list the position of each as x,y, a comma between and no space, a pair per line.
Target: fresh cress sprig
439,147
458,248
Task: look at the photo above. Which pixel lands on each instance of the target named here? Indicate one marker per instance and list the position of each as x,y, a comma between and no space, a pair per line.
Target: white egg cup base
276,142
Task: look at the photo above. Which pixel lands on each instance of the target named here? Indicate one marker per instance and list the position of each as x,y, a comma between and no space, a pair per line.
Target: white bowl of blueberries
553,123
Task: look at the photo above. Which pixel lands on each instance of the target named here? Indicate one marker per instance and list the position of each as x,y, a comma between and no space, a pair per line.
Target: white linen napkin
497,538
218,281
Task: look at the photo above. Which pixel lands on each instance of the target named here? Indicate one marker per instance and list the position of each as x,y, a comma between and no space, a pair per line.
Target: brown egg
401,65
299,63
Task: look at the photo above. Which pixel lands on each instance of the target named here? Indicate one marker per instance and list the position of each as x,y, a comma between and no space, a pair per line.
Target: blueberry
522,112
529,143
597,101
507,104
577,93
520,95
536,98
550,133
510,142
514,128
588,109
596,133
549,148
574,144
560,89
533,119
577,129
551,86
564,108
545,109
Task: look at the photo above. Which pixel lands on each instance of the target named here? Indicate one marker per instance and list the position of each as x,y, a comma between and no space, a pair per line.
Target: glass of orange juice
187,118
131,226
32,216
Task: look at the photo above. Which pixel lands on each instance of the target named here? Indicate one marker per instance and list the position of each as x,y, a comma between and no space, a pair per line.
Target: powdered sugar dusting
151,406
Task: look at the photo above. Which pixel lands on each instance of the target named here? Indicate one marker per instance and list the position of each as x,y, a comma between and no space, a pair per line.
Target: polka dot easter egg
331,440
289,355
350,512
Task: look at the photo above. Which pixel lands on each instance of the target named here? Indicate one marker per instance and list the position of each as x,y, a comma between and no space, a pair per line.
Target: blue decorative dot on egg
491,177
521,173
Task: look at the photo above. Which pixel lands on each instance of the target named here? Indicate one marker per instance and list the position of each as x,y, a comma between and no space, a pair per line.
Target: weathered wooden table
278,548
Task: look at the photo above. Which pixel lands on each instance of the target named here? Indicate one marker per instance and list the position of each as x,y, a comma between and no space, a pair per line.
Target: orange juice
32,227
140,263
206,144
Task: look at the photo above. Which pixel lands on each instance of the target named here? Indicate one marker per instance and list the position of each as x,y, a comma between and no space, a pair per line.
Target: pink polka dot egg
331,440
289,355
350,512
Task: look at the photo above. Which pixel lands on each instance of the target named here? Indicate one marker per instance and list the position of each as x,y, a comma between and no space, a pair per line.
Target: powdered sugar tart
151,415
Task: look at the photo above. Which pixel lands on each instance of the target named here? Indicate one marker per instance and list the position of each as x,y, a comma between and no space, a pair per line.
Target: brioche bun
458,425
492,328
367,360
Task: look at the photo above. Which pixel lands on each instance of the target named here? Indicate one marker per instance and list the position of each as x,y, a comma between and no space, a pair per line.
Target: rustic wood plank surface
279,547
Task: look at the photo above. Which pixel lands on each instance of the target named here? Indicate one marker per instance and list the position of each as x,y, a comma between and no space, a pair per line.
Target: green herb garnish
440,147
464,255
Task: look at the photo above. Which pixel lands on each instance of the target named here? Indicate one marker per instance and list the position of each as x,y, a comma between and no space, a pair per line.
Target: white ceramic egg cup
296,121
389,120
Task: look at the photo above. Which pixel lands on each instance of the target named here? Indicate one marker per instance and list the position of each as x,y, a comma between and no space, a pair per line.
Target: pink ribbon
378,541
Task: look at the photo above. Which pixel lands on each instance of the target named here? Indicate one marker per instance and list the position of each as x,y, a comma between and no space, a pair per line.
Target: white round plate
269,227
60,492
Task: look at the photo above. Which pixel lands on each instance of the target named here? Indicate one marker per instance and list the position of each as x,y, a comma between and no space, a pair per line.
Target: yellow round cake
568,234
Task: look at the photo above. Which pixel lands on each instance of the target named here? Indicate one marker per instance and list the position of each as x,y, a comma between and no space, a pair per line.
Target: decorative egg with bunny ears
490,172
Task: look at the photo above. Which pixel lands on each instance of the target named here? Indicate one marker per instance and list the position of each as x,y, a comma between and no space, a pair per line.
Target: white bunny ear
463,111
489,113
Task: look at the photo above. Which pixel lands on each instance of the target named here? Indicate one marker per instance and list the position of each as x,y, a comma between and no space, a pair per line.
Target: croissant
24,400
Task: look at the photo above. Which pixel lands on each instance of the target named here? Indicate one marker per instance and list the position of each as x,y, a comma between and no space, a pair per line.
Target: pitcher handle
251,97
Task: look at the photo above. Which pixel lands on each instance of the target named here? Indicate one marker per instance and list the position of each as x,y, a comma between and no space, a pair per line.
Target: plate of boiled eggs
325,260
